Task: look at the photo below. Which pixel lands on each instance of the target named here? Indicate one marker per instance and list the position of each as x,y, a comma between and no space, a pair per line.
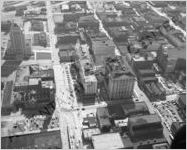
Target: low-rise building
88,22
37,25
103,119
89,133
40,39
107,141
146,131
67,53
34,86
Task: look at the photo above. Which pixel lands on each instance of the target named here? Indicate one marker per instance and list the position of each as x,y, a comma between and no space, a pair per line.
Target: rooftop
103,116
174,53
126,141
88,133
117,67
138,107
86,63
22,75
107,141
145,119
88,19
34,71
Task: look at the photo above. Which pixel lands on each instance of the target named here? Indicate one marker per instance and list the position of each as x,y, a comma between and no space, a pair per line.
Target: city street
65,102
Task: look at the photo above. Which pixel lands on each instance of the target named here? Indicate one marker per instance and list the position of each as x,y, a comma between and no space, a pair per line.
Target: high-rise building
120,79
88,78
170,58
17,39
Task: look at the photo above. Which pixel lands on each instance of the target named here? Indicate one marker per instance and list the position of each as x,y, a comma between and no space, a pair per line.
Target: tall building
86,66
17,39
120,79
170,58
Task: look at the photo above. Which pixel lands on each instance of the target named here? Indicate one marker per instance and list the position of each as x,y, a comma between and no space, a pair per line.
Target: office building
87,68
102,48
171,59
119,77
17,39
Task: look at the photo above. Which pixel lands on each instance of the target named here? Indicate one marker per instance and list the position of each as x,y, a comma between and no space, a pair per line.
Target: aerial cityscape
93,74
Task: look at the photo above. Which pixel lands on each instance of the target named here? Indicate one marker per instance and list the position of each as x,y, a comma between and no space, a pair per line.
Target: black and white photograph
93,74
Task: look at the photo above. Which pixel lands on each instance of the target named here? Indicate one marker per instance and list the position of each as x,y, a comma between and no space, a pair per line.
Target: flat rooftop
44,140
107,141
145,119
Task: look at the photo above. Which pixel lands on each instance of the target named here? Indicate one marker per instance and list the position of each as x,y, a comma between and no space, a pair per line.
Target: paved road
64,102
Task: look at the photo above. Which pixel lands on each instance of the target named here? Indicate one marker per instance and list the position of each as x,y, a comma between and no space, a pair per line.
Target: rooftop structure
107,141
101,49
90,121
117,67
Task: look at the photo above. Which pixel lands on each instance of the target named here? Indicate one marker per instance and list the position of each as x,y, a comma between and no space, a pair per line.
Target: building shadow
9,66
